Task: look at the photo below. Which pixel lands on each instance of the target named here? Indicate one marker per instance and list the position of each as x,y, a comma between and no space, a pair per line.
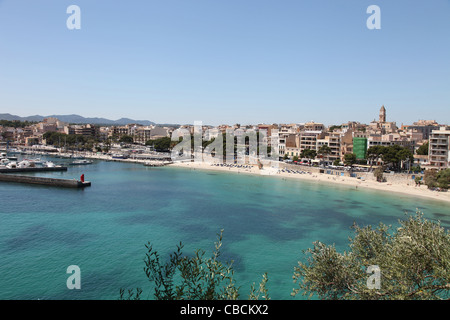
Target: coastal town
350,153
303,143
224,155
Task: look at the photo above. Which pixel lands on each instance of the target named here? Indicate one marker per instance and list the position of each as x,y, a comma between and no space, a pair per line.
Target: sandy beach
402,188
405,187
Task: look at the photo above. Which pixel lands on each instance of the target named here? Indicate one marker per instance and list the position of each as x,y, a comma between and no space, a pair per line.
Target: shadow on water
41,236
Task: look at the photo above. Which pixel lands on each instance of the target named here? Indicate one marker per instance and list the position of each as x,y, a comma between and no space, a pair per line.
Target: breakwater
65,183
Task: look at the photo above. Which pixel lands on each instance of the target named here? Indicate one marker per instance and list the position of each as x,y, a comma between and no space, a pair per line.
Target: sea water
267,222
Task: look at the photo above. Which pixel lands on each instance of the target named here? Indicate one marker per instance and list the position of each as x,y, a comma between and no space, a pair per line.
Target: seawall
65,183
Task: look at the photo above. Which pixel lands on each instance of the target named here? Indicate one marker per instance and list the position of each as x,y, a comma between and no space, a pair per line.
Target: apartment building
425,127
390,140
51,125
86,130
439,148
141,134
335,146
282,144
292,145
285,130
308,139
313,126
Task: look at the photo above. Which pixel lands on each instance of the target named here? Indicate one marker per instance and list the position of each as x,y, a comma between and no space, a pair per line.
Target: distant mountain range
74,118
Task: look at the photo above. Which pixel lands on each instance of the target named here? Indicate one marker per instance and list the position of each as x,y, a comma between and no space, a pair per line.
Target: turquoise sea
103,229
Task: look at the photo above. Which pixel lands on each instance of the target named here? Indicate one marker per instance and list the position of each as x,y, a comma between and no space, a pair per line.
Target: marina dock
33,169
66,183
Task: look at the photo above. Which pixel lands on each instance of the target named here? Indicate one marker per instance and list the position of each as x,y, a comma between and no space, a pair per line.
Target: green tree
162,144
437,179
16,123
404,155
392,155
423,149
308,153
193,277
430,178
323,151
334,127
58,139
126,139
349,159
107,144
418,180
378,173
374,153
414,261
443,178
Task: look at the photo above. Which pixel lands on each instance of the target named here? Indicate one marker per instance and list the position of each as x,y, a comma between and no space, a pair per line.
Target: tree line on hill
16,123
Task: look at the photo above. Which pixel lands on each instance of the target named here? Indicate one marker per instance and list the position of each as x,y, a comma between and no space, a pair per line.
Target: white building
439,148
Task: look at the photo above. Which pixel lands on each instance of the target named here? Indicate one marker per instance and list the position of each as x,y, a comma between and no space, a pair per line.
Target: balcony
438,153
439,142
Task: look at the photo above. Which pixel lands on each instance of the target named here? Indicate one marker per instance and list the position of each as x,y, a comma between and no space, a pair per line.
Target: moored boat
81,162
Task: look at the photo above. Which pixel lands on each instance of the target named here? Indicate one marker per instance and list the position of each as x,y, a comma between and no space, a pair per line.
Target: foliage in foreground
414,263
437,179
193,277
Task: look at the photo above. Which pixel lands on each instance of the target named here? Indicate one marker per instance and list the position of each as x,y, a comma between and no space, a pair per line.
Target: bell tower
382,114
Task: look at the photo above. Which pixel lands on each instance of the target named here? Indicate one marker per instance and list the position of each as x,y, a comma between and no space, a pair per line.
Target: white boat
118,156
49,164
37,161
81,162
12,165
13,151
25,164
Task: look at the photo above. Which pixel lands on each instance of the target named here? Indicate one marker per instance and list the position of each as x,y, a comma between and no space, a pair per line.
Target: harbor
11,166
129,204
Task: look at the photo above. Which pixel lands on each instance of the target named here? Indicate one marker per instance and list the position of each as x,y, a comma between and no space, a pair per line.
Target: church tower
382,114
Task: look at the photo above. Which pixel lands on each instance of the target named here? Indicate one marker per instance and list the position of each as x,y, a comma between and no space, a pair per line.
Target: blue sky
227,61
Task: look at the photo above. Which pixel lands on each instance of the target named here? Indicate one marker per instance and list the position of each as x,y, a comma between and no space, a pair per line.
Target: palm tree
324,150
